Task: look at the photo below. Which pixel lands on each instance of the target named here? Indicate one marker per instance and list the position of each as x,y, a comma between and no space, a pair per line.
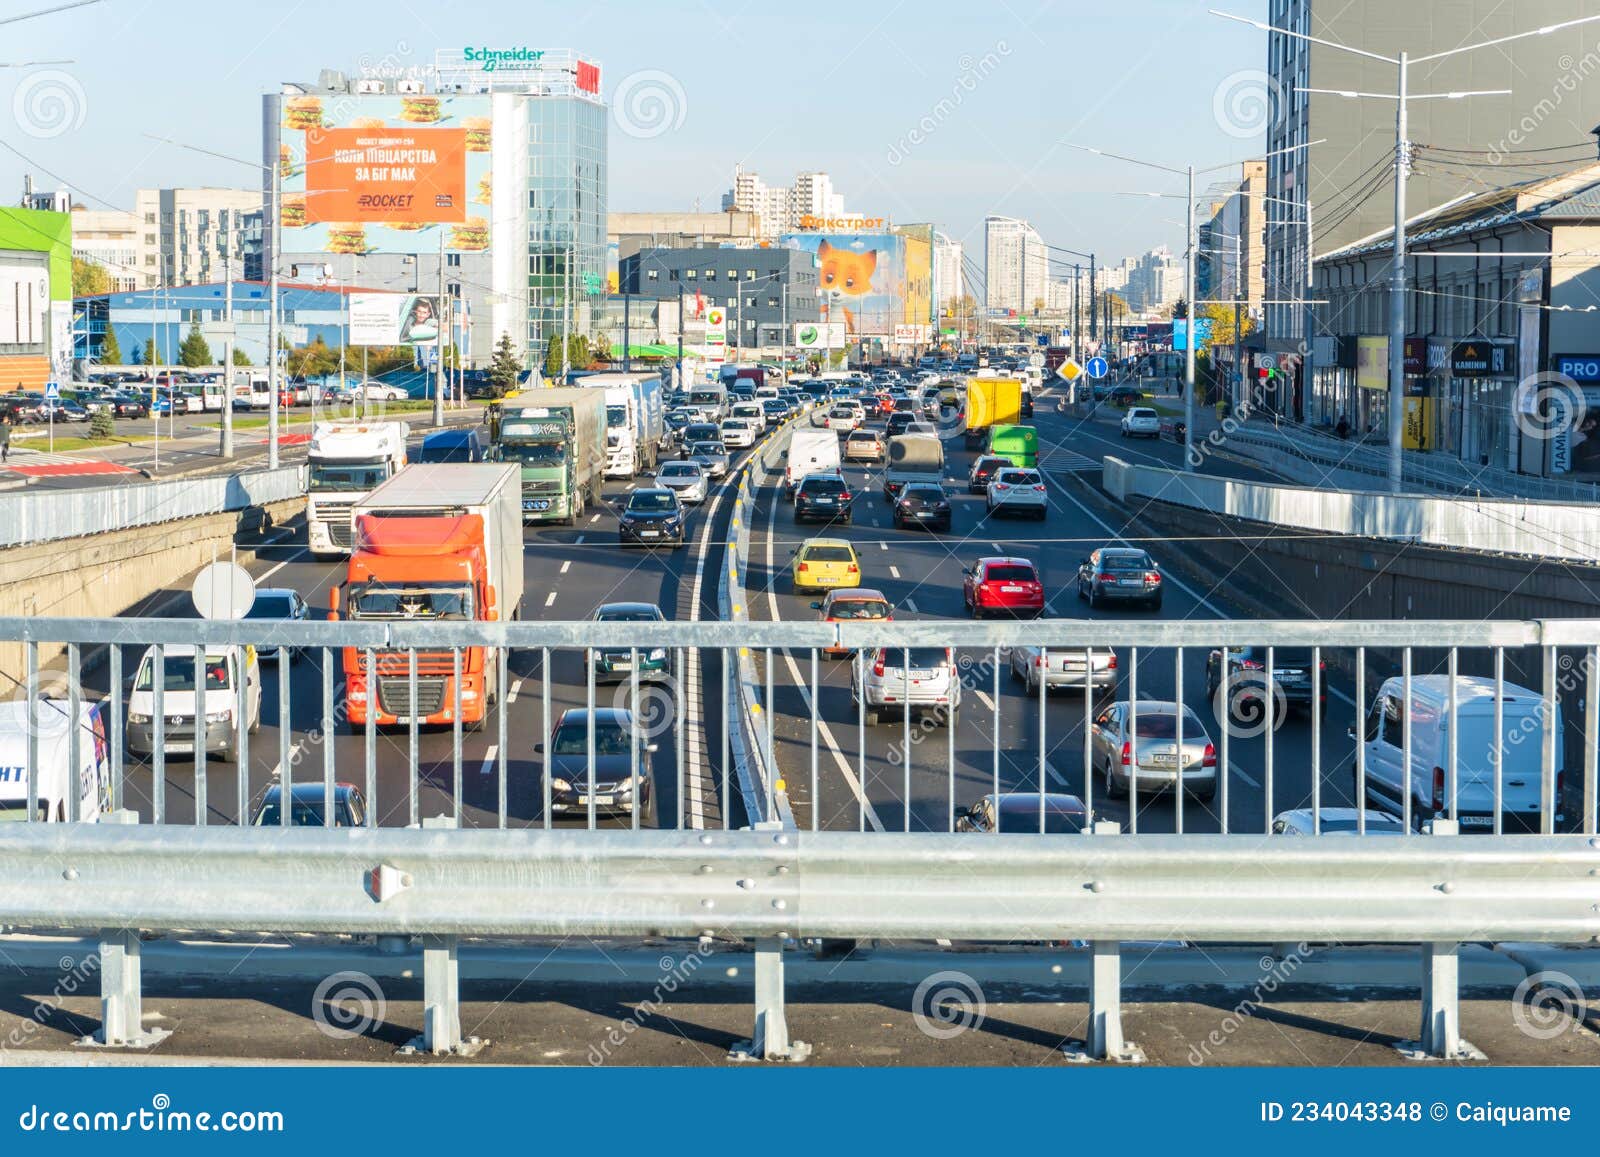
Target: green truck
1018,443
558,439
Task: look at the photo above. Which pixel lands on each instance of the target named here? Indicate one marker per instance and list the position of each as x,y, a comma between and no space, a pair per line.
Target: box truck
635,421
991,402
557,439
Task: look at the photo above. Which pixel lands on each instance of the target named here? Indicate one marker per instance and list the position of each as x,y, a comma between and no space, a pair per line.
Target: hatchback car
863,604
842,419
1246,678
1141,422
1014,491
653,517
1008,586
609,782
823,498
1020,811
738,433
308,806
712,456
863,446
775,411
1120,575
617,663
1065,668
1141,748
825,564
686,479
281,605
983,472
894,680
923,504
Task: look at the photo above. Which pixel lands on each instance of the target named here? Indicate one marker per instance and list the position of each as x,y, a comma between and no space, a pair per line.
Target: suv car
653,517
822,498
1005,585
930,685
1019,491
1141,422
1246,680
1114,574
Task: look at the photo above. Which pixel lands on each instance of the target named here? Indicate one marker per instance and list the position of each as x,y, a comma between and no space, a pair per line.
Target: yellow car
826,564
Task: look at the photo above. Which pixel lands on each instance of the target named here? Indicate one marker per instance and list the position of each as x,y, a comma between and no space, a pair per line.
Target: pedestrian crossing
42,464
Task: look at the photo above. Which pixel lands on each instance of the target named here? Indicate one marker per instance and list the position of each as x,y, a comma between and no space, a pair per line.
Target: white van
233,683
810,452
50,723
1521,738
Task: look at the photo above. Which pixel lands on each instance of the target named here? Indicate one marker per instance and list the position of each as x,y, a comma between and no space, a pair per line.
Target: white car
844,419
686,479
378,392
1141,422
737,433
1336,821
1019,492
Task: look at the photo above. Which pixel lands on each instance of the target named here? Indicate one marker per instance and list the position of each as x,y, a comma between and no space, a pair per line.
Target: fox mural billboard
861,279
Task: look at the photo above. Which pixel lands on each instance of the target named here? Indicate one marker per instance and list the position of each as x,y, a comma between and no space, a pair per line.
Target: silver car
1065,667
686,479
931,685
713,456
1118,749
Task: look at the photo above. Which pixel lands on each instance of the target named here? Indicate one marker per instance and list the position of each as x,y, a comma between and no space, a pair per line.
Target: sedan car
1141,422
842,419
65,410
737,433
983,472
1246,678
1015,491
863,604
1020,811
1002,586
129,406
618,663
1140,749
923,504
863,446
699,432
712,456
687,479
825,564
1120,574
653,516
775,411
1065,668
282,605
824,498
308,806
895,680
609,783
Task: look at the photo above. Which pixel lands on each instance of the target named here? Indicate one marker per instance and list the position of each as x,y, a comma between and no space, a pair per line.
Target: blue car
451,446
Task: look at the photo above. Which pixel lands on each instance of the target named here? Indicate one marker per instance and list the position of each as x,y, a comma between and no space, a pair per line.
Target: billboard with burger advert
384,174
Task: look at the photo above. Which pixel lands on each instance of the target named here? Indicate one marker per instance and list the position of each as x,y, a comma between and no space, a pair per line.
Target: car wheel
1080,591
1094,598
1113,789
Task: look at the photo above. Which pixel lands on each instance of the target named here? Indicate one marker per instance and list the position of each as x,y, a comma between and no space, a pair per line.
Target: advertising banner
811,335
716,339
384,174
910,334
861,277
24,304
389,319
1372,363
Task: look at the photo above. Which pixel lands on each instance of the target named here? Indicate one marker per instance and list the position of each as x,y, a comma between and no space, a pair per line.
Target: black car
307,802
1125,396
698,432
822,498
609,781
1246,681
129,406
1014,811
983,472
652,517
617,663
923,504
776,411
899,422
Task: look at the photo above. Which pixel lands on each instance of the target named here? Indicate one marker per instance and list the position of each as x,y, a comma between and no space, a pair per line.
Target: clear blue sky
775,87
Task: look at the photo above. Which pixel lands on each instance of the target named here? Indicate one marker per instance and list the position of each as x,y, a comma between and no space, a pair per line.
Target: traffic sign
1098,368
1070,370
223,590
1036,359
52,391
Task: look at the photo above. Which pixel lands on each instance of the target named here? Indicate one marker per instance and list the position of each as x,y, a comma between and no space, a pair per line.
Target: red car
1008,586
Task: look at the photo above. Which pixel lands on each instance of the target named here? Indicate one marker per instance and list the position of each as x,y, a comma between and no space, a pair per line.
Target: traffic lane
1100,438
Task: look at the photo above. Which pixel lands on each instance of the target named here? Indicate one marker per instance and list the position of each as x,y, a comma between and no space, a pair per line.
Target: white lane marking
1050,609
549,600
579,542
489,759
1055,775
294,751
983,697
911,604
304,554
894,572
566,566
594,519
1243,774
883,546
511,696
997,547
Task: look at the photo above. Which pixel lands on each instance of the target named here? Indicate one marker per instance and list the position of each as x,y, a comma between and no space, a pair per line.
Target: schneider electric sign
504,59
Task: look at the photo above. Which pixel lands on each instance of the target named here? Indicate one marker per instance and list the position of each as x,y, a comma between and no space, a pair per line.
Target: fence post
121,982
441,988
770,1039
1440,1038
1105,1040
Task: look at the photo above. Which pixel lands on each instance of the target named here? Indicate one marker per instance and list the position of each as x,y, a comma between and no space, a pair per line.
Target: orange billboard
386,176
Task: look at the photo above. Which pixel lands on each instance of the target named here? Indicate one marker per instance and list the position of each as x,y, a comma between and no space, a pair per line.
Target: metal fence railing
49,516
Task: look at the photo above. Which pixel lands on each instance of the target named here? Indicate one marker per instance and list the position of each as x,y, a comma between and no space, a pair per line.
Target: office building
766,292
631,232
949,281
1230,265
1016,266
783,209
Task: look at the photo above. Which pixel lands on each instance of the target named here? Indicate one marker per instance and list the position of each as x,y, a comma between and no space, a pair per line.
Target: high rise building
1016,265
1230,262
779,207
1340,190
949,284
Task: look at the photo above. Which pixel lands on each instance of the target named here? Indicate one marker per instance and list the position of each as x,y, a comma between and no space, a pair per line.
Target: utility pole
1075,280
227,357
274,212
439,329
1094,331
627,340
1397,294
1192,337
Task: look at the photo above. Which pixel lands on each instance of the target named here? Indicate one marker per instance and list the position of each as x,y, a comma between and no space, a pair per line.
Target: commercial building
481,179
35,297
1016,266
1340,191
631,232
1154,281
1481,330
766,291
783,209
1231,264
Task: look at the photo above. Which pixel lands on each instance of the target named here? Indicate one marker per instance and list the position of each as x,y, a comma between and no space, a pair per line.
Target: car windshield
733,424
1120,561
1142,414
709,449
616,416
179,672
858,609
1010,572
347,477
923,494
303,813
863,436
379,600
823,486
990,465
702,432
680,470
534,453
827,554
773,406
1283,658
448,452
1347,824
572,738
922,658
645,503
630,615
841,412
1164,725
271,607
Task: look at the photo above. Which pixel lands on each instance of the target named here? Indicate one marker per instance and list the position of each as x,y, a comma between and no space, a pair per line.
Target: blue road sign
52,391
1098,368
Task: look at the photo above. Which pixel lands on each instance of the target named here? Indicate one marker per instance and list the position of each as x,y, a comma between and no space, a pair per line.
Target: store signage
842,224
504,59
1480,359
1578,367
1416,356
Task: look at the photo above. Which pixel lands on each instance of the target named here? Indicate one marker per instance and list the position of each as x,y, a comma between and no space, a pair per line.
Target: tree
1221,317
1180,309
313,361
102,424
577,354
110,351
505,368
240,358
194,351
89,278
149,358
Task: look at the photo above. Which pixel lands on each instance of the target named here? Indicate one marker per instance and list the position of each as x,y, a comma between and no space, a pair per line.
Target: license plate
1477,821
1130,582
599,800
621,664
649,534
1164,760
1291,674
1011,590
827,501
824,580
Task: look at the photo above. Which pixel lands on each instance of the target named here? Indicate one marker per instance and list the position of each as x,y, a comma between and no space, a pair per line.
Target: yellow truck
991,402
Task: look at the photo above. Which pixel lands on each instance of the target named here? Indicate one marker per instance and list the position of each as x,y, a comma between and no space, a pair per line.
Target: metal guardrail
48,516
1499,526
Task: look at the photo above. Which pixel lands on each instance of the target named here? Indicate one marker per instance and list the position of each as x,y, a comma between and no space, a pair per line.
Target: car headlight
135,717
219,716
627,785
560,785
658,654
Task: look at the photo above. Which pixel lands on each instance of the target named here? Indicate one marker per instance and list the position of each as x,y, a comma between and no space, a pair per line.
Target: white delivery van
810,452
233,684
51,724
1521,744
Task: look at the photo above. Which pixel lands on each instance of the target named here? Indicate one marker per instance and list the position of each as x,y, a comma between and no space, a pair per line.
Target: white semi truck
635,421
348,460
